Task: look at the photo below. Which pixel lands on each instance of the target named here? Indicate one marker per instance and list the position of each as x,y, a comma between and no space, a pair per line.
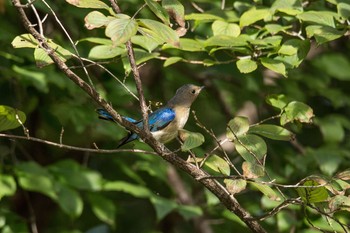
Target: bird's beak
202,87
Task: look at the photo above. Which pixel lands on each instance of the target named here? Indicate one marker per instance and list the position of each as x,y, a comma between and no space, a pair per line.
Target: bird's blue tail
103,114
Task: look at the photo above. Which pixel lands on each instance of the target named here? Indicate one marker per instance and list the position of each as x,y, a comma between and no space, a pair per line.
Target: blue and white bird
165,122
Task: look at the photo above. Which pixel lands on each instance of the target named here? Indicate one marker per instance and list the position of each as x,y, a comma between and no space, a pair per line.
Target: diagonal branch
214,186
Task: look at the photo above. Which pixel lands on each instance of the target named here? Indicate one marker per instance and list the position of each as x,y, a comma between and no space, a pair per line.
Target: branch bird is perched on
165,122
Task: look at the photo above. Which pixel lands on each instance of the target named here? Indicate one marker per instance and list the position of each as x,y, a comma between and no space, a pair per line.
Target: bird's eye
193,91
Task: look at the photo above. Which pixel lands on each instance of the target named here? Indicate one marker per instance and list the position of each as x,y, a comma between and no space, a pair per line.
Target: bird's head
186,95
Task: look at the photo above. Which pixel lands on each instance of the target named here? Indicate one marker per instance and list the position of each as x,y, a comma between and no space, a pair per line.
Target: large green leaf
158,32
266,190
274,65
312,194
10,118
96,19
92,4
217,165
121,30
145,42
190,139
254,15
297,111
246,65
176,10
158,10
323,33
277,101
105,52
235,186
236,127
223,28
69,200
251,147
274,132
318,17
172,60
103,208
344,9
24,41
252,170
227,41
43,59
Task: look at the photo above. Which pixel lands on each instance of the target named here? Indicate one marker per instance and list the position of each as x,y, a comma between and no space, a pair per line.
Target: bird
164,123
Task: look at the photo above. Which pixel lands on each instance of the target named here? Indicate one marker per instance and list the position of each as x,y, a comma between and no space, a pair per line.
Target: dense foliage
272,125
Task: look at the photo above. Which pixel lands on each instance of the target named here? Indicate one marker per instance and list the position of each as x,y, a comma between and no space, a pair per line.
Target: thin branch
68,147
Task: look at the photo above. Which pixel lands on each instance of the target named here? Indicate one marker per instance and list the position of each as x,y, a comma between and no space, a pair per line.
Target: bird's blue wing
159,119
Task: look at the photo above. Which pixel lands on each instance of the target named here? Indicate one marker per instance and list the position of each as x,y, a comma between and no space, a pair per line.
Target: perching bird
165,122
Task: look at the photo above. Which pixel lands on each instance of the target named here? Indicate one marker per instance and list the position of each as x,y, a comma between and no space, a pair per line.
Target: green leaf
246,65
339,202
158,11
92,4
235,186
24,41
223,28
189,211
274,65
121,30
190,139
97,40
289,7
43,59
33,177
176,10
105,52
8,118
163,206
145,42
251,147
312,194
252,170
158,31
203,16
274,132
132,189
35,78
96,19
236,127
344,10
266,190
227,41
323,33
172,60
275,28
277,101
7,186
318,17
69,201
217,165
186,44
76,176
254,15
297,111
103,208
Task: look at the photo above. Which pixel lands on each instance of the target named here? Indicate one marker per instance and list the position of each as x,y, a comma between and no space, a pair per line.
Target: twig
60,145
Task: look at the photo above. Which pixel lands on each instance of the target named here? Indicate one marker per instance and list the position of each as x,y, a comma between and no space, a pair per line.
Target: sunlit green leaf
274,132
217,165
93,4
97,40
190,139
176,10
253,170
24,41
145,42
251,147
202,16
297,111
8,118
274,65
254,15
172,60
105,52
246,65
237,127
43,59
344,9
121,30
158,31
323,33
266,190
312,194
226,41
318,17
235,186
7,185
223,28
96,19
158,10
278,101
103,208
